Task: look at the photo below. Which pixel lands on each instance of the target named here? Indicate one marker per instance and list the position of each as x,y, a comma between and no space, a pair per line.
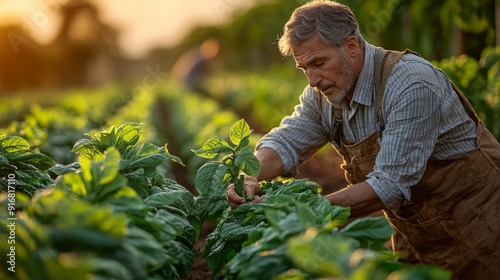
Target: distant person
411,142
193,66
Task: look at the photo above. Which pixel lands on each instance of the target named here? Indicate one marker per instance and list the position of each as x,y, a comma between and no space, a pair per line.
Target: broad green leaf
241,260
72,182
65,210
186,201
238,186
32,180
138,181
106,138
238,131
36,160
61,169
243,143
146,249
274,216
245,212
291,187
86,148
219,254
218,204
162,199
109,167
266,265
339,215
212,147
172,157
86,167
209,178
146,149
371,232
306,215
127,135
324,255
163,225
13,145
185,258
234,231
271,200
106,192
150,161
248,163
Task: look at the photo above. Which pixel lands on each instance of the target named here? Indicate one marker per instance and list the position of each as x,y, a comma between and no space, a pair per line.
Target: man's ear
351,46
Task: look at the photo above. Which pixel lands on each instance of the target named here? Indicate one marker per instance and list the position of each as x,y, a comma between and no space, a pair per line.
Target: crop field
121,183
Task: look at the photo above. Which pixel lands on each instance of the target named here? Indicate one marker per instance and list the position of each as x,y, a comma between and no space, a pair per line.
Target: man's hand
270,167
251,186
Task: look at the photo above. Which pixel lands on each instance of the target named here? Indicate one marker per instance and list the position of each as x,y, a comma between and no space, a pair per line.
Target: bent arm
270,164
359,197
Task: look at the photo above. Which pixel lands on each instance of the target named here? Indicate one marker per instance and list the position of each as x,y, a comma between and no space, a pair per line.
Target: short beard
346,78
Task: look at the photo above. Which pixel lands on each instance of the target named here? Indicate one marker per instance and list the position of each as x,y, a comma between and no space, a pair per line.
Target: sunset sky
143,24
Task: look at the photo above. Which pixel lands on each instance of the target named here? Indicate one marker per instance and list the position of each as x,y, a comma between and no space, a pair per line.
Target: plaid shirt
421,114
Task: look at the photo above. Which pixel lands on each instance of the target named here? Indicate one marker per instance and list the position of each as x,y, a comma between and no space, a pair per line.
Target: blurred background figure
195,65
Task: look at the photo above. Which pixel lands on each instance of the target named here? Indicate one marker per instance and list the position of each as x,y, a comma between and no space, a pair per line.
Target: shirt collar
363,94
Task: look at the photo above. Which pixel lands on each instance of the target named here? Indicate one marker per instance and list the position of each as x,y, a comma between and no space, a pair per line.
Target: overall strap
384,61
465,102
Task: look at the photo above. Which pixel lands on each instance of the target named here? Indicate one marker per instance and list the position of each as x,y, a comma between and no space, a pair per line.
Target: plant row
114,215
111,215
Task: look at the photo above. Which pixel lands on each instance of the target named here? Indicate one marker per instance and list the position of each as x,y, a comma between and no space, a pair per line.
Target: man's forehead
311,50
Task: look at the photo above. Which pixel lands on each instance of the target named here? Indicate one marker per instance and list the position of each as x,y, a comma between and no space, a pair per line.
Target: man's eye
317,64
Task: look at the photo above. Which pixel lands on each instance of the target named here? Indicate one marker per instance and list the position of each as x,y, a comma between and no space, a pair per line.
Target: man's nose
313,78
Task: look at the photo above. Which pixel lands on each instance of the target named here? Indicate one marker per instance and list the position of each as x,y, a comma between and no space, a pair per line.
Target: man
193,66
415,150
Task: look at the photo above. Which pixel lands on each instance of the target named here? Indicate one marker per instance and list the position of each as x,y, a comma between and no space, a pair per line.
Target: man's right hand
252,189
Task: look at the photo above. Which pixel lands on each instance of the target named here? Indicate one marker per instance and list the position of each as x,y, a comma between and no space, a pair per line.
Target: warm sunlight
39,19
142,24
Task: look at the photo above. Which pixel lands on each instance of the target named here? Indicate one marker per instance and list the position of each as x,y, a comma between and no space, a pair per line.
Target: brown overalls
453,218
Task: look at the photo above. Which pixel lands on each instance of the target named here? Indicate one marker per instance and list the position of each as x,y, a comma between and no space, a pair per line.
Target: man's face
328,70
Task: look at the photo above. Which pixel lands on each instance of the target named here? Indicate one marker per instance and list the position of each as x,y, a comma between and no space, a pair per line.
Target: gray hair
332,21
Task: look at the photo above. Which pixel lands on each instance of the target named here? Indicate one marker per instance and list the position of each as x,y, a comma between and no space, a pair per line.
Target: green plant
213,177
479,81
293,233
139,162
22,168
161,220
92,222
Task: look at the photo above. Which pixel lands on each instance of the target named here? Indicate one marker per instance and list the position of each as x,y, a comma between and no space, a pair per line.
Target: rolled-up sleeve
407,143
299,135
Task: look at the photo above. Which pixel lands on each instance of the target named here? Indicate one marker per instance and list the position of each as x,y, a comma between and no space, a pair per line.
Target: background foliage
44,112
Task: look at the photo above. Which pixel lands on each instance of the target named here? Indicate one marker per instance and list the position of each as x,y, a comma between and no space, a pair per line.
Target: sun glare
38,19
142,25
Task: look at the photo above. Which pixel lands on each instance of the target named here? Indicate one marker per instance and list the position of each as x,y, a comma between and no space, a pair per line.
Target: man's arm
270,164
359,197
